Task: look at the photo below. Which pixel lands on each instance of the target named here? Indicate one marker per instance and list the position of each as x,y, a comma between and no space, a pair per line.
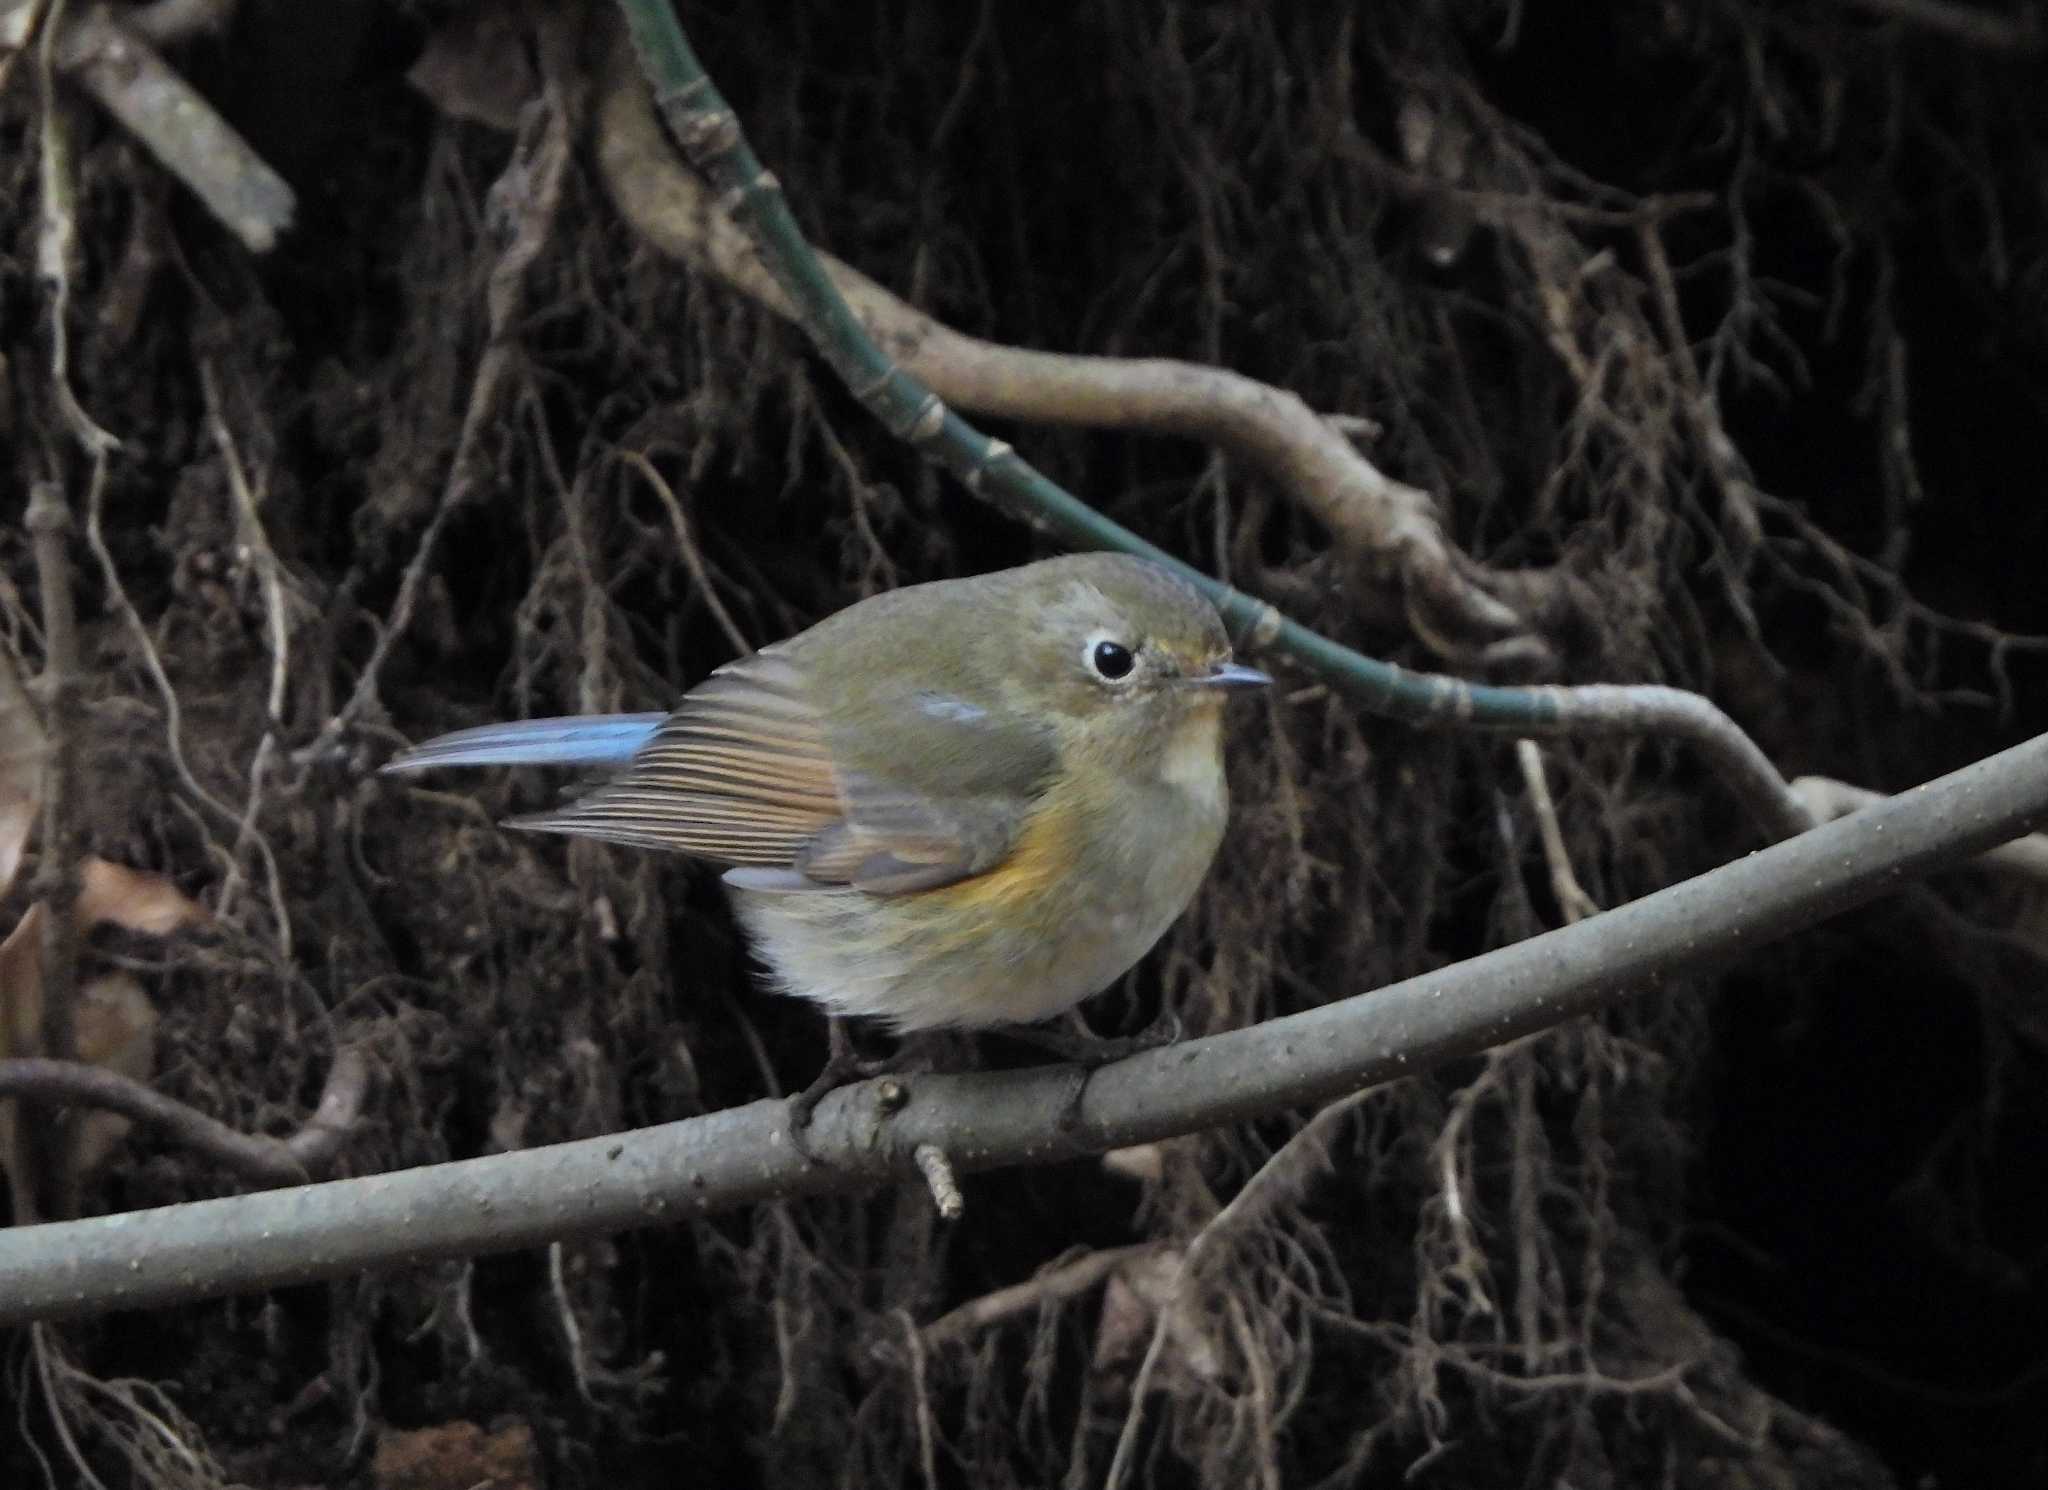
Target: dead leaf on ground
456,1456
137,899
109,894
114,1020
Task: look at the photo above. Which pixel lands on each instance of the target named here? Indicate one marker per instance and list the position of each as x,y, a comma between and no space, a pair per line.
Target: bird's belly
968,958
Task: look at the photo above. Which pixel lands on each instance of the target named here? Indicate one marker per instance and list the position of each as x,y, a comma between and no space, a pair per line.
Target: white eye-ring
1108,658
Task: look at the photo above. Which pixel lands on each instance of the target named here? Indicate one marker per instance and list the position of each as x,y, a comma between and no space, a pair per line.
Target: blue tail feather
578,740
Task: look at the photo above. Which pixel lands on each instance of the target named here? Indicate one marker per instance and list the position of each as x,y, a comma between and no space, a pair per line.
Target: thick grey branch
741,1156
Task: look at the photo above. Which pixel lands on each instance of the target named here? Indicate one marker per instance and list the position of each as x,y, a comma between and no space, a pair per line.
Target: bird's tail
579,740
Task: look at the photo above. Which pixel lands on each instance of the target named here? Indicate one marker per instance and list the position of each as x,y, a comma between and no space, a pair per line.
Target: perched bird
955,805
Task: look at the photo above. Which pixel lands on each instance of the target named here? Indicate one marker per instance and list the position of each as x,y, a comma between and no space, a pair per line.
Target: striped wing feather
739,774
745,773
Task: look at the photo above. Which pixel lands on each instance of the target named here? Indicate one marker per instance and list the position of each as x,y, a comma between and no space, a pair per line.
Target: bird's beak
1229,675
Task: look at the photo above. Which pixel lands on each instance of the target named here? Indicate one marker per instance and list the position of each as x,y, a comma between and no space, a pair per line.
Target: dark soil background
1784,1224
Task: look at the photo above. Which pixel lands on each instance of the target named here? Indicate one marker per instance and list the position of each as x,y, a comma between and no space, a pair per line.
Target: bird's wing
753,773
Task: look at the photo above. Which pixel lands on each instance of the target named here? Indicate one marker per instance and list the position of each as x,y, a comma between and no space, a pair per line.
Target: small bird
962,804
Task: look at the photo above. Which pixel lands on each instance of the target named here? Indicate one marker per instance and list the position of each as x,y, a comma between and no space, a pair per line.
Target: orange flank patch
1045,853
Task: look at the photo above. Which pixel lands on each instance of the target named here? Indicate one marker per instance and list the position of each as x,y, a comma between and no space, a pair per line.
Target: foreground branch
744,1155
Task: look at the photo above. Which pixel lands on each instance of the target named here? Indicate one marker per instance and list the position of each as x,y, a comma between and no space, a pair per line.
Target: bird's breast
1101,867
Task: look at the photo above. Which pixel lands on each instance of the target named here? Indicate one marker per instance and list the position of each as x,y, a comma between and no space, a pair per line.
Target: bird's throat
1192,762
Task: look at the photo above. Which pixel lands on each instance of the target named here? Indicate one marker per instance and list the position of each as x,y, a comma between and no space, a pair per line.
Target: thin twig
322,1136
51,1183
145,647
1467,1265
136,1418
43,1347
1052,1286
254,1157
1572,899
938,1175
57,237
270,580
927,1437
1495,205
572,1332
1279,1177
686,545
531,186
1259,1370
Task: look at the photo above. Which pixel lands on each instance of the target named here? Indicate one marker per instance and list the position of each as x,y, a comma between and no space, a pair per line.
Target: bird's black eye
1112,660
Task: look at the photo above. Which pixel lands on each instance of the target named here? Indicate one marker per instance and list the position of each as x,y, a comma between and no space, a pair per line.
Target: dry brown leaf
115,1021
22,752
456,1456
136,899
108,894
